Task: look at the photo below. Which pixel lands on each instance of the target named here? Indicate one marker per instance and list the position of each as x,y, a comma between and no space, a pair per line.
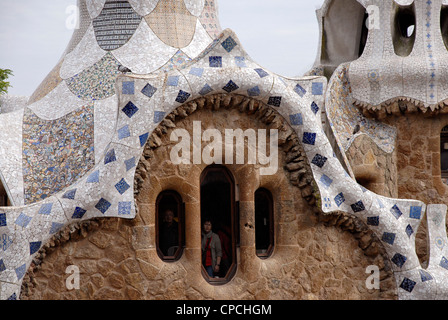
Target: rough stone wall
316,256
373,168
417,163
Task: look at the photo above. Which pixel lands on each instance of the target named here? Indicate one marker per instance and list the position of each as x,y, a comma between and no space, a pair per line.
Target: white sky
281,35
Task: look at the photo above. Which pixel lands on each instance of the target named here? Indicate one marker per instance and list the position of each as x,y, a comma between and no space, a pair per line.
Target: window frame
180,207
234,224
270,199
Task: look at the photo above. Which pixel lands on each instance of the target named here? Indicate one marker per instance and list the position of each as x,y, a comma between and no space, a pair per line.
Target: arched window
264,223
404,29
218,209
170,239
444,152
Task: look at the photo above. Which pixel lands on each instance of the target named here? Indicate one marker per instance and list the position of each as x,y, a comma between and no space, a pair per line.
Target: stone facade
316,256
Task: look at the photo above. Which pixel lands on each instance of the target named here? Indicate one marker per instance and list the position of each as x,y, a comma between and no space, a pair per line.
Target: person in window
169,234
211,250
224,236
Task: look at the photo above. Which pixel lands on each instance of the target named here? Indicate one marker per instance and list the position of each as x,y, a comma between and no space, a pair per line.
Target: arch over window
404,29
264,223
444,152
170,227
218,207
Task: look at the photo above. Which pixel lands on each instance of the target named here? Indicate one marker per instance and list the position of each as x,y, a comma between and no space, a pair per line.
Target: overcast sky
281,35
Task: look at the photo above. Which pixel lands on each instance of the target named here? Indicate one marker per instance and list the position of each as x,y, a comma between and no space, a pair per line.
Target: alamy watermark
229,149
373,280
73,281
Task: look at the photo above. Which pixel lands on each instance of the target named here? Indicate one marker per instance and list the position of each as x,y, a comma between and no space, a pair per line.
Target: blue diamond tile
197,72
130,109
309,138
159,116
296,119
46,209
416,213
373,221
94,177
34,247
124,133
358,207
205,90
20,271
124,208
110,156
408,285
55,227
215,62
229,44
130,163
396,212
2,266
122,186
2,219
326,181
23,220
78,213
299,90
275,101
409,230
444,263
70,194
319,160
12,297
425,276
103,205
388,238
149,90
339,199
183,96
128,87
230,86
314,108
172,81
254,92
317,88
143,138
240,62
399,260
261,72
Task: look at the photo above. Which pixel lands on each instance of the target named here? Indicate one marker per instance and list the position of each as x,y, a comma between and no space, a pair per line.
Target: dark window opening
264,223
404,30
218,209
444,152
364,35
170,226
444,24
4,200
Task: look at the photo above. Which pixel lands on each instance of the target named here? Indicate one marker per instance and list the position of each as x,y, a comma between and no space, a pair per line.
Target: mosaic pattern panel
115,25
96,82
209,18
56,153
345,118
172,23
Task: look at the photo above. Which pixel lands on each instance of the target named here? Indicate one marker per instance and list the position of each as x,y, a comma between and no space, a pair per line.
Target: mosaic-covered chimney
74,109
141,35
